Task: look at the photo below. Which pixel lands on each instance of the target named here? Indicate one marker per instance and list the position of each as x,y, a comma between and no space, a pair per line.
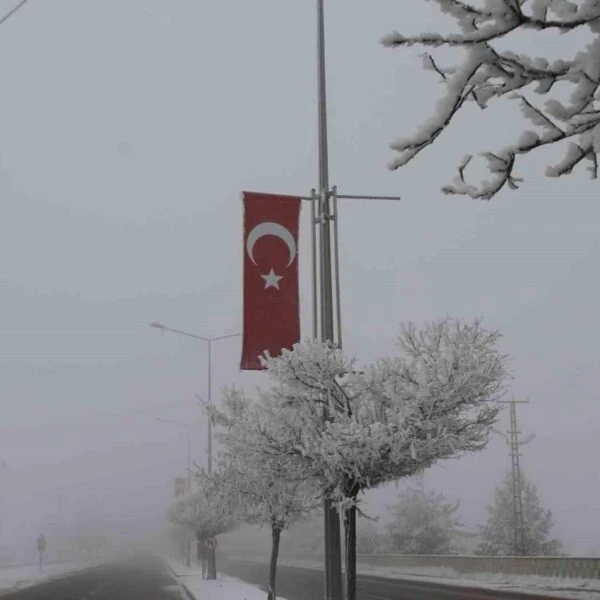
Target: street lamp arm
224,337
193,335
172,422
187,333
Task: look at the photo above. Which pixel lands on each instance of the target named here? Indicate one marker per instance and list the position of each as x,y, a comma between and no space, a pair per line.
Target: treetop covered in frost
350,430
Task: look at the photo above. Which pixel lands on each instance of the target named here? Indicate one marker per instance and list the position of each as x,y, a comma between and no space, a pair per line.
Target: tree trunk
275,537
350,554
211,568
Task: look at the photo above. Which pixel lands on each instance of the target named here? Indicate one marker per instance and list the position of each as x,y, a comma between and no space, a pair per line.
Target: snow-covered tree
499,531
425,523
488,71
351,430
259,488
371,538
207,511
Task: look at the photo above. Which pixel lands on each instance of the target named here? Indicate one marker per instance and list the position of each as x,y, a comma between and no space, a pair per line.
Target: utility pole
515,442
333,546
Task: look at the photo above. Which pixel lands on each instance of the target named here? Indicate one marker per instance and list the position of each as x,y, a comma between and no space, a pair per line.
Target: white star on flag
272,279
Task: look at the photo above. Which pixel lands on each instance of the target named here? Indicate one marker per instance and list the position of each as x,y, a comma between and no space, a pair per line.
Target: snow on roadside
564,588
15,578
567,589
222,588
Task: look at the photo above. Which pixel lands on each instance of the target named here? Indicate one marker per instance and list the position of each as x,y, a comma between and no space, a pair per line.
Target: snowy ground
576,589
565,588
14,578
222,588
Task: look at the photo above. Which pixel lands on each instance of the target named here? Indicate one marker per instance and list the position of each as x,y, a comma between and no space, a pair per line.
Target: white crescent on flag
271,228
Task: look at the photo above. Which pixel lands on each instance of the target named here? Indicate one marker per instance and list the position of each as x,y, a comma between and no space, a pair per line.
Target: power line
9,14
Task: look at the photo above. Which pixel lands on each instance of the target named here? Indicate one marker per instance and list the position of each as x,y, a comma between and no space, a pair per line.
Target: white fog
129,129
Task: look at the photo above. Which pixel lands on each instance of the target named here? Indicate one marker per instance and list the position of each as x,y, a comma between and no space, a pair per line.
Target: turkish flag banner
271,303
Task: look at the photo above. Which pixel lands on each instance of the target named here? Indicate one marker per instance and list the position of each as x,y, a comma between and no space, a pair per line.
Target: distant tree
350,430
498,533
207,511
425,523
492,68
371,538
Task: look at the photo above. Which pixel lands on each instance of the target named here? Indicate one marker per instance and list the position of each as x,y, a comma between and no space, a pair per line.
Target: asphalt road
295,583
136,579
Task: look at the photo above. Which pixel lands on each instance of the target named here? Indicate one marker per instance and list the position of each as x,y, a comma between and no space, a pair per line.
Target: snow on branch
487,73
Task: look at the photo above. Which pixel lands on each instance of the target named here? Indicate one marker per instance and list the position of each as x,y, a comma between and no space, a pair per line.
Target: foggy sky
127,132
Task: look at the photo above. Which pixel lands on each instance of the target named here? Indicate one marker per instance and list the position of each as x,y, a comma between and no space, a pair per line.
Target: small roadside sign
41,546
210,543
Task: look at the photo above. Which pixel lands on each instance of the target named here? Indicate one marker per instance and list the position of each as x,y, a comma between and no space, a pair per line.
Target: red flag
271,304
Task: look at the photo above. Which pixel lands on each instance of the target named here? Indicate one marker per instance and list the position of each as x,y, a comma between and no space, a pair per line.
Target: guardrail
549,566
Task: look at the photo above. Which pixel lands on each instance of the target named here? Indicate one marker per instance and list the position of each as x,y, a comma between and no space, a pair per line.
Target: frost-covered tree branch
487,73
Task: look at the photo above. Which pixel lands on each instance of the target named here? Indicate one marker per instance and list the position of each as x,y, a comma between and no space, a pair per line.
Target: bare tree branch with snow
487,73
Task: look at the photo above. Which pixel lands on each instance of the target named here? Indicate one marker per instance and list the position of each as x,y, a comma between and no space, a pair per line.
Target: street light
209,341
